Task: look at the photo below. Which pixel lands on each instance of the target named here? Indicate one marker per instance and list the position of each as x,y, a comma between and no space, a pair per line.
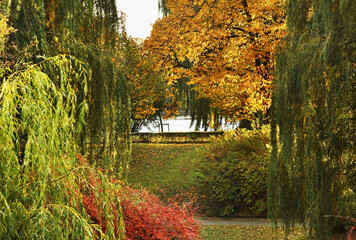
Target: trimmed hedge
175,137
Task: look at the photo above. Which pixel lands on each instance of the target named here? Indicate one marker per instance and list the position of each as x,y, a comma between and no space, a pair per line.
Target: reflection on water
182,124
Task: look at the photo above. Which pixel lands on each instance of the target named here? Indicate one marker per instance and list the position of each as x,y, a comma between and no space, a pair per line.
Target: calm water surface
182,124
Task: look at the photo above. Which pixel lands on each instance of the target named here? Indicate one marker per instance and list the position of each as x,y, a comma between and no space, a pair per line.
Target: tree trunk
244,123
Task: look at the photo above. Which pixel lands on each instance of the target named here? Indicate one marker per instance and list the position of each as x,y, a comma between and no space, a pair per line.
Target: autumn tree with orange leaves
150,96
225,48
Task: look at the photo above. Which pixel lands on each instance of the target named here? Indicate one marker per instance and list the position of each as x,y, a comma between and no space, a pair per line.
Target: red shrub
145,216
96,195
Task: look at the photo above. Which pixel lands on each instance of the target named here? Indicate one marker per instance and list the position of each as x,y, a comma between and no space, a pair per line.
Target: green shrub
232,173
345,221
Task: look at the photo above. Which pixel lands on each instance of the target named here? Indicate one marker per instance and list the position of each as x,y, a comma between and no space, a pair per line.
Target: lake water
182,124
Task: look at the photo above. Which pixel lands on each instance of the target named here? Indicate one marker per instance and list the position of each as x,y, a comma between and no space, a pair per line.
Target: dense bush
232,173
145,216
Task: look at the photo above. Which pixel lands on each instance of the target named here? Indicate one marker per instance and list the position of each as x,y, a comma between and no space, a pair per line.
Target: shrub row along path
234,221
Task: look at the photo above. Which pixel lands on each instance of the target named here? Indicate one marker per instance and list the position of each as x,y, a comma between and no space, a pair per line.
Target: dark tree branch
179,63
241,29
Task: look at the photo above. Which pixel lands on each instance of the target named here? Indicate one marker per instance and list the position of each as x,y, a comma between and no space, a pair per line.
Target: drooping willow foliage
314,109
90,31
54,107
39,127
202,114
162,7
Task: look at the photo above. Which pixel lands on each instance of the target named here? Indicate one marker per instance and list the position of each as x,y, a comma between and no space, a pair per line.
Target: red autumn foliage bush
145,216
351,234
100,200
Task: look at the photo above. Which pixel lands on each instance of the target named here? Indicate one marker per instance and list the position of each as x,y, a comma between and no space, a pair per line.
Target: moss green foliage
232,173
39,121
28,18
313,123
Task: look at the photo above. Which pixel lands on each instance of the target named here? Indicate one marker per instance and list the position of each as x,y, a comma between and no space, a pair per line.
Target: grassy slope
165,169
169,168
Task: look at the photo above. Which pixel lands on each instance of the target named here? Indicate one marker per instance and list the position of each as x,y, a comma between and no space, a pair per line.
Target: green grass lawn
165,169
247,233
255,233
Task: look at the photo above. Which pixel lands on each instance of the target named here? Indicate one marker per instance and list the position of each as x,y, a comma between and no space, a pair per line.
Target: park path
234,221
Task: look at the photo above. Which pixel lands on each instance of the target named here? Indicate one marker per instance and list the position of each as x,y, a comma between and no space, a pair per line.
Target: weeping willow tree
162,7
39,127
199,109
313,126
95,26
90,31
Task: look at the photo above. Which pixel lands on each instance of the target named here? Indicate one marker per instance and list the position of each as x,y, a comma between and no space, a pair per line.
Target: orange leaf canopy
226,48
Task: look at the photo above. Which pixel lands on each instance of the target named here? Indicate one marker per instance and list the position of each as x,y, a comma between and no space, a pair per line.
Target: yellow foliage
4,31
148,91
225,47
